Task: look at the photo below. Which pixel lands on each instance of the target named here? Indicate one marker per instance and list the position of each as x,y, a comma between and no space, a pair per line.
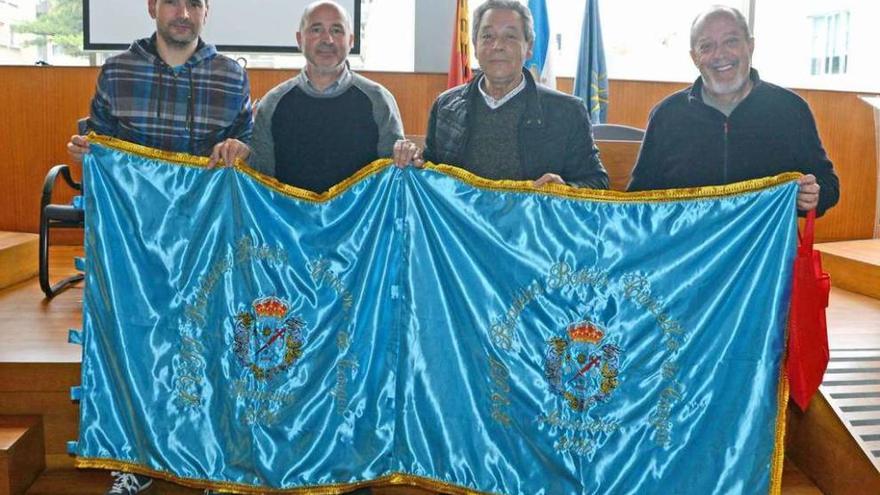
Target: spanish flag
460,60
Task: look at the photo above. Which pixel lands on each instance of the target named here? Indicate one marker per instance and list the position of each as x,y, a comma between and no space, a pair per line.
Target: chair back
617,132
619,147
619,158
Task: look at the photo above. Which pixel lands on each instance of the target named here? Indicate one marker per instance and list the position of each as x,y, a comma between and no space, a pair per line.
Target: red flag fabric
807,331
460,61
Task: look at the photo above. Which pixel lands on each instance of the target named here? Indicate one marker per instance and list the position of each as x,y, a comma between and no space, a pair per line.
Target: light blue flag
430,328
591,80
541,62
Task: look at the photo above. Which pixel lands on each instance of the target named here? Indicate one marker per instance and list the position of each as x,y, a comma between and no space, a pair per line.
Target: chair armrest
51,178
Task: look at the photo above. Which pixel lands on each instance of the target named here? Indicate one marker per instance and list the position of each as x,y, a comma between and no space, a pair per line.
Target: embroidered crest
582,366
268,339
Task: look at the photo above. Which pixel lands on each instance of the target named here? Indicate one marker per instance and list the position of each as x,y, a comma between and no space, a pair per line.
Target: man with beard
730,125
322,126
173,91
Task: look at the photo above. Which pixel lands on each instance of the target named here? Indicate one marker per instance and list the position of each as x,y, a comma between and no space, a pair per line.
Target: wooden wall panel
41,106
414,94
846,126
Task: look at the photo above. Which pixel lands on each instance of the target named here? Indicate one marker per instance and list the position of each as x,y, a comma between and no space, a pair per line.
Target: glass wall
823,44
827,44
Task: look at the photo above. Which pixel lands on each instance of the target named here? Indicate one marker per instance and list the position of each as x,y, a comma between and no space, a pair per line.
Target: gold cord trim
179,158
779,449
392,479
305,194
661,195
782,391
522,186
188,160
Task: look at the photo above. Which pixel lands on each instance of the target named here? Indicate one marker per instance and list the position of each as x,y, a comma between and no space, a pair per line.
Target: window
387,35
824,44
830,43
651,41
386,41
821,44
644,40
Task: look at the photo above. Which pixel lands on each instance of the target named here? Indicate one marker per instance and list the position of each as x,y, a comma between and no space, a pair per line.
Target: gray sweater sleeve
385,113
263,144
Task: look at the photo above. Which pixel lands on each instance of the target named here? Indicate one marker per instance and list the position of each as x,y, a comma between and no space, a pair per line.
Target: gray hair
717,11
303,21
514,5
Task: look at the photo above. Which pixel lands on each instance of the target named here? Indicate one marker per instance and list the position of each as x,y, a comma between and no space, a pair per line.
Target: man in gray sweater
322,126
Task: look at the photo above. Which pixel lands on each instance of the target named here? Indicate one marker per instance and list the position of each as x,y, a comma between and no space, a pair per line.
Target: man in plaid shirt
173,91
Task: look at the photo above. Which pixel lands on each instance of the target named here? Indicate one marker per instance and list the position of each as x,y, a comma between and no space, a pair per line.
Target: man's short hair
716,11
314,5
514,5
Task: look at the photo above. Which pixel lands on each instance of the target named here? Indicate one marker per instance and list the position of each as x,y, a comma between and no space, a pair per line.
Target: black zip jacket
690,144
555,135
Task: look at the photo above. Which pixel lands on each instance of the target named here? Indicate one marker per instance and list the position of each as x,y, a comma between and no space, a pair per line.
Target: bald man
322,126
732,126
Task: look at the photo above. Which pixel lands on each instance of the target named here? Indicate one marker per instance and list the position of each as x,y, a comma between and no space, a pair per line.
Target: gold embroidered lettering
499,391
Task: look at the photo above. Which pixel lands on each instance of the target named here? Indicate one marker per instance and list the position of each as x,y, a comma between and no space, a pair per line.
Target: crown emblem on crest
582,366
585,332
270,307
269,339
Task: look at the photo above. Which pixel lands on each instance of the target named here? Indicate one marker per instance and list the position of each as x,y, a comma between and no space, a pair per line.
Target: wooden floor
853,265
33,329
18,257
853,321
852,382
33,332
865,250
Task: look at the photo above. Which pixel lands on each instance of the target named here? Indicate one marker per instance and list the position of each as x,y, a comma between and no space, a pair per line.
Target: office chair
54,216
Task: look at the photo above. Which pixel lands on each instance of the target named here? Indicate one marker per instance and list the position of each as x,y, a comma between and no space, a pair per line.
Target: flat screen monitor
233,25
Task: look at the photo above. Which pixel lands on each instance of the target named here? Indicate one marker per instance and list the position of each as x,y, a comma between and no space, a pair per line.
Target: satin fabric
414,328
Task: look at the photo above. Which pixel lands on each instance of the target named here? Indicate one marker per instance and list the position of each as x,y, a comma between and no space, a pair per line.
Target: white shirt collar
334,89
492,102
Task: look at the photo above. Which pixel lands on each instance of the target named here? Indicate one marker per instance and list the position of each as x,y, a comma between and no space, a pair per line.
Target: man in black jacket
730,125
502,125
